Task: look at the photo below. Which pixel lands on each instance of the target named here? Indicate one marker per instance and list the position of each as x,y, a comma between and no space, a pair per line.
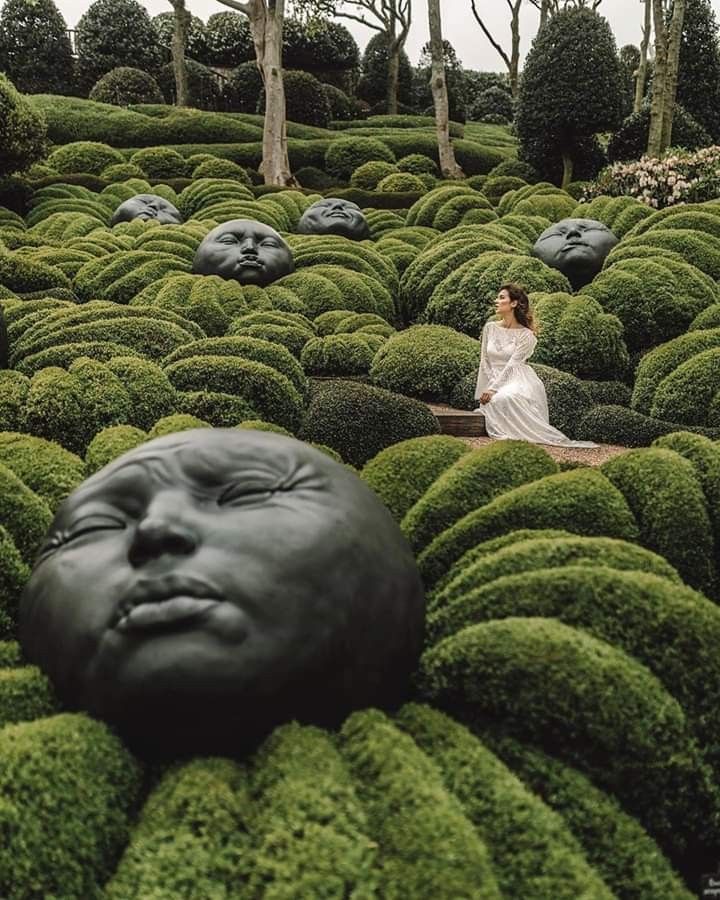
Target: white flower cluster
679,177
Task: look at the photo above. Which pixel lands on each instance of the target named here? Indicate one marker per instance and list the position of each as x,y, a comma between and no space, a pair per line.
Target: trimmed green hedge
25,514
340,354
473,481
25,695
14,573
533,852
193,830
402,473
344,155
110,443
427,847
667,500
691,393
582,501
425,361
44,466
358,421
577,336
591,705
628,428
615,844
69,789
475,570
312,837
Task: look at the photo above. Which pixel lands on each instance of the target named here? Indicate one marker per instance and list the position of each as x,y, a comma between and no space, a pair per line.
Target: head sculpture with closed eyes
212,584
335,216
149,208
246,251
577,247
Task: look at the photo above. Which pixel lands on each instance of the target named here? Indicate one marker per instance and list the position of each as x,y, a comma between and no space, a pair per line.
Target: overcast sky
459,25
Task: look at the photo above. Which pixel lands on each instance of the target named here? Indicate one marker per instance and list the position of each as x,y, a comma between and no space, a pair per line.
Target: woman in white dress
512,398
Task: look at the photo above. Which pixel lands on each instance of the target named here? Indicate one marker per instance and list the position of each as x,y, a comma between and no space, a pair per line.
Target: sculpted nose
575,231
247,245
164,529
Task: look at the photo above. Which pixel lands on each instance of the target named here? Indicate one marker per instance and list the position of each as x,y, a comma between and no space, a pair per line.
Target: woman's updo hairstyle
523,314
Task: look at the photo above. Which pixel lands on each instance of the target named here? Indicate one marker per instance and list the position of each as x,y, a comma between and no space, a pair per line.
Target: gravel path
574,454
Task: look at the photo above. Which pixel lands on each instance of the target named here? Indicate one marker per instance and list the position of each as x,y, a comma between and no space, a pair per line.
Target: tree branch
241,7
487,34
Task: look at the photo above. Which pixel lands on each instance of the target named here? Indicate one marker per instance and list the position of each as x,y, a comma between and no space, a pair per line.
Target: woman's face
504,305
212,583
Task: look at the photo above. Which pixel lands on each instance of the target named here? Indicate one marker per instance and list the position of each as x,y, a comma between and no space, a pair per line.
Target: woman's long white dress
519,409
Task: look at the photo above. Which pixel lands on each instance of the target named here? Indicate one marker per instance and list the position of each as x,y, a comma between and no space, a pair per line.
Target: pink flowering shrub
679,177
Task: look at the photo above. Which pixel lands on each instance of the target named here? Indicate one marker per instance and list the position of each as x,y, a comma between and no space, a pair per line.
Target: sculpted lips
164,602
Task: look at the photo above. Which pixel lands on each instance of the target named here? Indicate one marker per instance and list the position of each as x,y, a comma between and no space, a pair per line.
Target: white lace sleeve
524,348
484,372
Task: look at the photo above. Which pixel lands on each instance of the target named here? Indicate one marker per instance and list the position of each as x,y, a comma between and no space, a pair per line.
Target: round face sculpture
577,247
246,251
210,585
335,216
148,207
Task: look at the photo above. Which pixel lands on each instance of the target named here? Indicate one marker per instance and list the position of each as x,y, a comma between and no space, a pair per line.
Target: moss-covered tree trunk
266,26
657,105
181,26
671,76
438,85
641,74
568,166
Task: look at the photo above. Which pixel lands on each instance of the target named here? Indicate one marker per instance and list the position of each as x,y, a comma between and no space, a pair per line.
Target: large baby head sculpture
245,251
577,247
148,207
212,584
335,216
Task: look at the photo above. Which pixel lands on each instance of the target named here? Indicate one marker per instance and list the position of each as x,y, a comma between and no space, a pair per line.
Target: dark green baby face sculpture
335,216
148,207
577,247
210,585
246,251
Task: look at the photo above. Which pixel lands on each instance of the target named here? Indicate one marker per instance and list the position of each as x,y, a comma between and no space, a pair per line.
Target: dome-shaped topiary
344,155
22,130
305,99
160,162
370,174
125,85
221,168
84,156
399,183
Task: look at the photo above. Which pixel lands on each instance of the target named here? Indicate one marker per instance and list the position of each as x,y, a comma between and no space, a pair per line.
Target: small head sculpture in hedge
148,207
333,215
246,251
577,247
212,584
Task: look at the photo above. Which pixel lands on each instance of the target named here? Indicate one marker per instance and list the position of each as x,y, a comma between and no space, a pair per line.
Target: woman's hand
487,397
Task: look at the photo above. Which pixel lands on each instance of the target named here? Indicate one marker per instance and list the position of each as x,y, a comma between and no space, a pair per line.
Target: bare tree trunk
567,169
513,61
393,80
181,26
448,163
671,77
642,67
544,12
266,27
657,105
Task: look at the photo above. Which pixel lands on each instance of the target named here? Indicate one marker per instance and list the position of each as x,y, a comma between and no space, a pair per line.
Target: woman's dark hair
522,310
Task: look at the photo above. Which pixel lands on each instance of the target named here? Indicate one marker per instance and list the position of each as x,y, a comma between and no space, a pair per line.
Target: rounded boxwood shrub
624,427
65,838
221,168
23,513
14,573
399,183
577,336
590,704
582,501
193,828
44,466
14,389
614,843
567,397
690,394
125,85
656,484
22,131
264,388
481,566
151,394
217,408
175,423
429,847
402,473
425,361
344,155
110,443
90,157
203,90
472,482
655,298
418,164
630,140
305,99
25,695
124,274
160,162
369,175
358,420
529,844
339,354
